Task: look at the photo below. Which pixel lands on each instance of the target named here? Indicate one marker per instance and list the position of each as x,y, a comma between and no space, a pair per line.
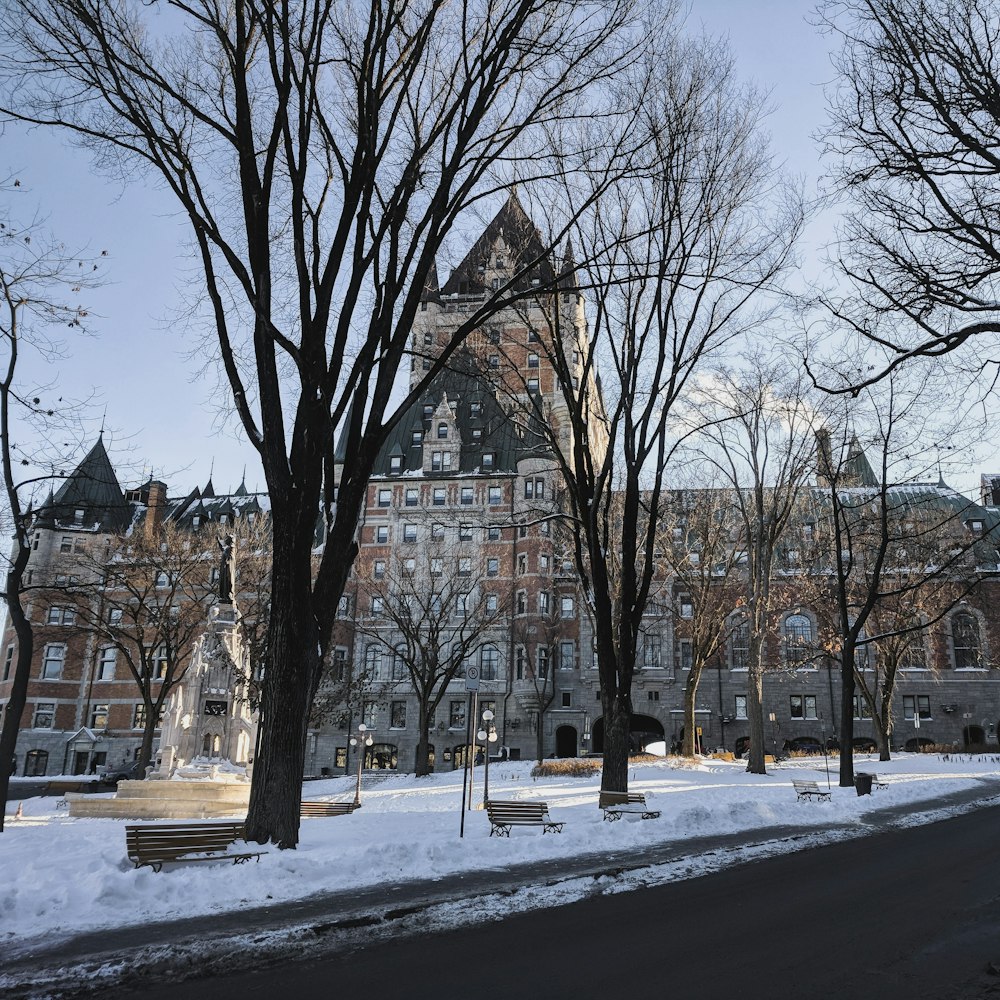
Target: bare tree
430,616
699,540
760,441
896,554
912,140
322,154
38,281
146,596
673,264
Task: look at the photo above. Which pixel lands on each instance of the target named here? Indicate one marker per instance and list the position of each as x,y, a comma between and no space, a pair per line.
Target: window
439,496
397,715
494,361
685,606
684,654
384,498
162,579
651,652
44,714
567,608
409,532
139,717
437,566
475,407
379,570
798,636
543,602
802,706
739,645
914,656
36,763
495,496
437,531
52,660
382,534
519,660
492,567
467,495
492,603
344,605
409,566
465,532
521,602
395,464
338,669
412,497
428,407
340,757
115,615
861,709
99,716
532,360
370,712
965,641
488,458
920,703
106,658
159,663
442,432
464,566
461,604
456,714
489,663
493,533
567,656
436,462
8,660
60,616
741,706
652,695
543,562
522,563
378,606
66,544
542,660
567,699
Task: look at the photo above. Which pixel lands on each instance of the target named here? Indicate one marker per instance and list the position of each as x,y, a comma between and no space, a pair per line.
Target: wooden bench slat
503,814
154,844
808,789
616,804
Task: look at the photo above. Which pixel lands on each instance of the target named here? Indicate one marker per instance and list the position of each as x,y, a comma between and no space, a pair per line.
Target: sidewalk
130,952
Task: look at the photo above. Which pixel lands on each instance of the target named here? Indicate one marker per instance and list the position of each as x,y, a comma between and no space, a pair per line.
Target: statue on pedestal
227,569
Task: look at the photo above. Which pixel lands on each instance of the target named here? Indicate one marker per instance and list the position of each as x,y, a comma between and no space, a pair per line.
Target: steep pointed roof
857,466
432,288
523,244
209,490
93,488
567,273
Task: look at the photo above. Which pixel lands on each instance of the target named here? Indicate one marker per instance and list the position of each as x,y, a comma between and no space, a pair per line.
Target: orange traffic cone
20,811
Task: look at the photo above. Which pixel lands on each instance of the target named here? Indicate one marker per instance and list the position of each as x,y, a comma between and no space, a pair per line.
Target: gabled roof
524,247
93,488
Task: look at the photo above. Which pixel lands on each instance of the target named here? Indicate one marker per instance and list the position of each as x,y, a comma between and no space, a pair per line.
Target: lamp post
488,735
774,732
362,740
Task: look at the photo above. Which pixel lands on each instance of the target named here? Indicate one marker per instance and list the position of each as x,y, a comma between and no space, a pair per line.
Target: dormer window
195,521
476,433
417,437
395,464
477,408
487,459
976,526
442,432
500,262
78,515
428,410
223,518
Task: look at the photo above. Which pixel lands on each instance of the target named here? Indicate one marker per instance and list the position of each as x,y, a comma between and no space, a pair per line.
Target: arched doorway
643,730
566,741
974,736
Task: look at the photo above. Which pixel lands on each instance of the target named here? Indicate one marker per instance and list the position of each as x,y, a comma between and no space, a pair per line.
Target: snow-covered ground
60,876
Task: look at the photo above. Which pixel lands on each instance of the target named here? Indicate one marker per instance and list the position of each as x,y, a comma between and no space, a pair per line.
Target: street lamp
488,735
774,732
362,740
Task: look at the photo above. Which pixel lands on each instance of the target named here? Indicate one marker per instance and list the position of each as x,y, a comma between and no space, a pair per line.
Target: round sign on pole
472,678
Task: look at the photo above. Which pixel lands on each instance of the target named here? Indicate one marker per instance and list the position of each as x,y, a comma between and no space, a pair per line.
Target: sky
162,415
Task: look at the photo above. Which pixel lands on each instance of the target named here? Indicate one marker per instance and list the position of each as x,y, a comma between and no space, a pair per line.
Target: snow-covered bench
615,804
155,843
808,790
313,807
505,814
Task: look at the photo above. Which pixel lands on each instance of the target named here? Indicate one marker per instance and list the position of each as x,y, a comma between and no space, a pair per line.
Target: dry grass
567,767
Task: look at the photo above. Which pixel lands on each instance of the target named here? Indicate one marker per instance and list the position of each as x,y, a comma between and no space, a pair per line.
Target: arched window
442,431
489,663
739,644
798,632
36,763
965,641
381,757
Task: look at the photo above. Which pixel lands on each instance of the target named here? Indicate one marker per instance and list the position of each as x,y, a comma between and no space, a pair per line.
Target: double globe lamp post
365,738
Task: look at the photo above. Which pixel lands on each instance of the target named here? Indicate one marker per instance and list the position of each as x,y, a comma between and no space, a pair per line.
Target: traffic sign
472,678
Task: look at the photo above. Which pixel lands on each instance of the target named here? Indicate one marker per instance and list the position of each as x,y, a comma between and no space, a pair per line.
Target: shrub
567,767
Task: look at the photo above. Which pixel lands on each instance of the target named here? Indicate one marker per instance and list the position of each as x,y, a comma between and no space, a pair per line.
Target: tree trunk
290,676
539,735
617,721
755,704
883,729
148,730
14,708
421,765
847,715
688,748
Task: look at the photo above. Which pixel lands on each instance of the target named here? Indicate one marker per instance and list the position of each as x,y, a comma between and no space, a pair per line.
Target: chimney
157,505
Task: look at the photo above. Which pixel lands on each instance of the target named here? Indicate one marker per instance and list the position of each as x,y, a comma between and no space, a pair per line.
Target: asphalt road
900,915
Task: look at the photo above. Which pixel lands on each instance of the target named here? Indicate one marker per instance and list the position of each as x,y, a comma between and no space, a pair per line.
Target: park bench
808,790
876,781
313,807
155,843
505,814
615,804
